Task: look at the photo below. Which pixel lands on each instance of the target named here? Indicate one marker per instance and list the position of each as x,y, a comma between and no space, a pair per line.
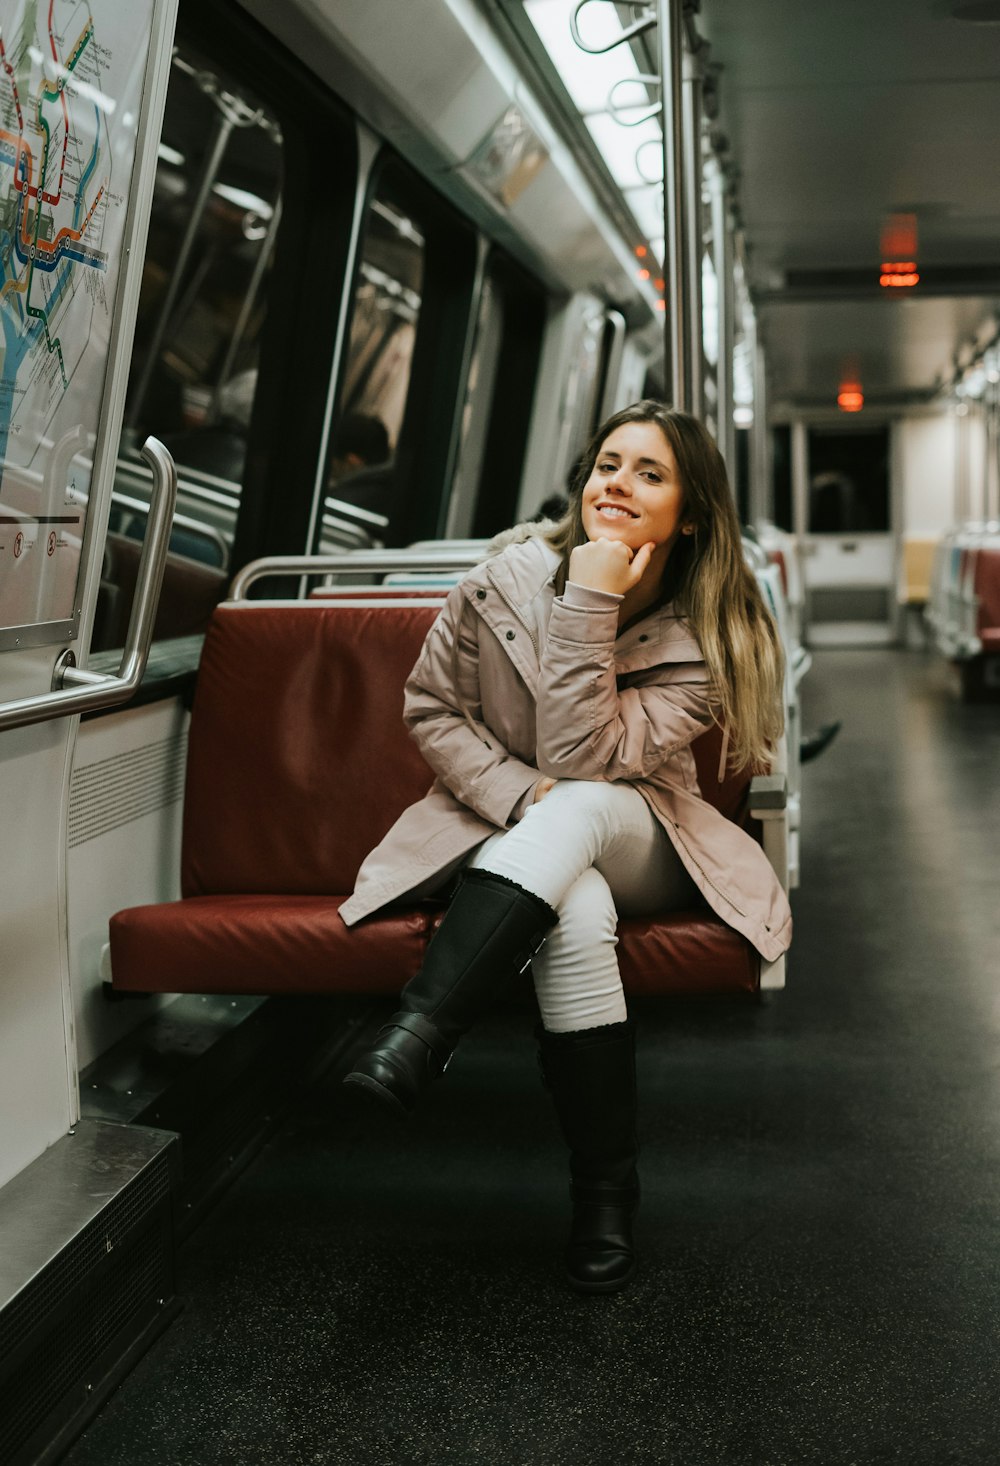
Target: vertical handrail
675,267
78,691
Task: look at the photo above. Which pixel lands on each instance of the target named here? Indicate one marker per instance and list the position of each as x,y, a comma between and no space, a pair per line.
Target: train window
476,411
520,311
215,214
848,481
386,310
390,458
781,476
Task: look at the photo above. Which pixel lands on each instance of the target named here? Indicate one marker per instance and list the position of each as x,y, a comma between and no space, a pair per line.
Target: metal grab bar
378,562
180,521
77,691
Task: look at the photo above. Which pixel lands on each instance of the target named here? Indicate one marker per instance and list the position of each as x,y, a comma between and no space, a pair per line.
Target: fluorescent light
588,79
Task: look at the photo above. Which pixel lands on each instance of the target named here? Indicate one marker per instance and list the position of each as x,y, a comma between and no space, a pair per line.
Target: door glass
215,214
848,481
360,479
476,411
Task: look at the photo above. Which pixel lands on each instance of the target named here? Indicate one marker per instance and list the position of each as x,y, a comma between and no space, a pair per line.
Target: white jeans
593,851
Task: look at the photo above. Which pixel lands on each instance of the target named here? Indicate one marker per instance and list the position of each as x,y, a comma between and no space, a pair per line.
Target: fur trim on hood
517,535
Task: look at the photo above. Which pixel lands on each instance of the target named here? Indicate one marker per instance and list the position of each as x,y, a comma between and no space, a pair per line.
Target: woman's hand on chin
610,565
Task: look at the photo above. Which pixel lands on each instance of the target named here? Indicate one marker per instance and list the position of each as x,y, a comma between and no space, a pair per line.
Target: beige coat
513,684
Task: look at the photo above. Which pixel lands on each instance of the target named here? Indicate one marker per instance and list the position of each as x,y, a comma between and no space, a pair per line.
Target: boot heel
388,1102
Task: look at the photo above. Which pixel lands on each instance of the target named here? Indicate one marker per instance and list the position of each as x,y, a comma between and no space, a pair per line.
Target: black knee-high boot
489,934
591,1076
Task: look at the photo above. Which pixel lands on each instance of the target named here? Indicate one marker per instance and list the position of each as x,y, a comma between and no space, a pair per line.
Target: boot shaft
489,934
590,1074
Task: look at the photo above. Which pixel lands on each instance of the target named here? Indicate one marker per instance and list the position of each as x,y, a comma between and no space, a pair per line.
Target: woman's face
634,493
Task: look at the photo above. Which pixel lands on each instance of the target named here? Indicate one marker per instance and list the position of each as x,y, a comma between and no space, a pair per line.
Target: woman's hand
542,788
609,565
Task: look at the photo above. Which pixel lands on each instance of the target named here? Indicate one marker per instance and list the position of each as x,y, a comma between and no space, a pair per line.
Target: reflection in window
476,412
215,215
360,470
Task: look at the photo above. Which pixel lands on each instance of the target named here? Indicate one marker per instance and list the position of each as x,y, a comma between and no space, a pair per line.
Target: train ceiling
839,115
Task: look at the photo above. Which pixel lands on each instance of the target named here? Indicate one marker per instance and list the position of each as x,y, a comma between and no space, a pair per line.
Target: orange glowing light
643,274
898,275
660,284
850,398
898,237
641,251
661,305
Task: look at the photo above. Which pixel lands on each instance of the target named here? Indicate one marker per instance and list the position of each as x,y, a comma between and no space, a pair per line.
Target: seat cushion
684,953
264,944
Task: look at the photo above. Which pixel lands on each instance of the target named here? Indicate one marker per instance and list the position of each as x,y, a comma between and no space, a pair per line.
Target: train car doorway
843,515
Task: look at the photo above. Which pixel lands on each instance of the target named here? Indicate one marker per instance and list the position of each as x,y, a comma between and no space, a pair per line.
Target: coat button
510,636
644,637
480,595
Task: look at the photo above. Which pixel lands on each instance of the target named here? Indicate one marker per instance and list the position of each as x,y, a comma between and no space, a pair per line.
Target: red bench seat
298,763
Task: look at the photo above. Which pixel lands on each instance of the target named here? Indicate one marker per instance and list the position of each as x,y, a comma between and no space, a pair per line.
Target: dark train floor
820,1230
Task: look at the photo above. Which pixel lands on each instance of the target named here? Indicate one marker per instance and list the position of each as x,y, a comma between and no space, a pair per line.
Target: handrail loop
651,109
79,691
645,22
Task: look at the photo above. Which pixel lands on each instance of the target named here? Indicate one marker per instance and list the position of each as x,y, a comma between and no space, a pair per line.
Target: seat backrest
730,796
987,587
189,594
298,761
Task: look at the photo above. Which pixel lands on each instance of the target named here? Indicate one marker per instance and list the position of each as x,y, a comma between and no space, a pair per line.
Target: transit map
71,80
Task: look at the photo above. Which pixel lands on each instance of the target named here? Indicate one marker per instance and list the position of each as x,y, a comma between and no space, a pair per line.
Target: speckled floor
820,1232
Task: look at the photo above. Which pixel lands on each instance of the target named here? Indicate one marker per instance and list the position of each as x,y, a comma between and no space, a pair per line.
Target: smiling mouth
616,511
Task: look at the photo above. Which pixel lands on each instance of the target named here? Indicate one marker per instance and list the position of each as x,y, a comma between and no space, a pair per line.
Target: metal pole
760,486
209,173
670,46
692,176
249,301
723,261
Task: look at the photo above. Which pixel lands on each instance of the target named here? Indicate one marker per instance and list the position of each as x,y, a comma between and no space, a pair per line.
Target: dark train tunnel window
740,477
501,396
781,476
848,481
395,429
203,302
385,313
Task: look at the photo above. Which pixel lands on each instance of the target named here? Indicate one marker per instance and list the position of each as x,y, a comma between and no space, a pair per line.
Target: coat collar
523,574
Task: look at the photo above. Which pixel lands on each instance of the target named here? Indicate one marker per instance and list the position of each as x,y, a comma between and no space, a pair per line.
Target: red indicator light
643,274
898,275
661,305
850,398
660,284
640,251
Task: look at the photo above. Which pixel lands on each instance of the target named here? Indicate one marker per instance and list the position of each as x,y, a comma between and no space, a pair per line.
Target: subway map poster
71,81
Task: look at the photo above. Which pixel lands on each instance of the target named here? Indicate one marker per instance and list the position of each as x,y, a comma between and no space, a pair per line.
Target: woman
556,699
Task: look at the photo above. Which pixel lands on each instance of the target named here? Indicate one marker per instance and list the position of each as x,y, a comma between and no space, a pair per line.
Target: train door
83,94
843,516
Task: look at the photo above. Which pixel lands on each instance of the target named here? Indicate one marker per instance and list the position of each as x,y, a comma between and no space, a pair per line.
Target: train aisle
820,1230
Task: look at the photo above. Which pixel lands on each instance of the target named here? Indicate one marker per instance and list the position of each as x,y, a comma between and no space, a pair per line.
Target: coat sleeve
442,709
588,728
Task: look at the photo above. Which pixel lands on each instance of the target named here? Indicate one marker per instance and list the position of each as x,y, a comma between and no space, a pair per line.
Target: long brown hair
708,580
